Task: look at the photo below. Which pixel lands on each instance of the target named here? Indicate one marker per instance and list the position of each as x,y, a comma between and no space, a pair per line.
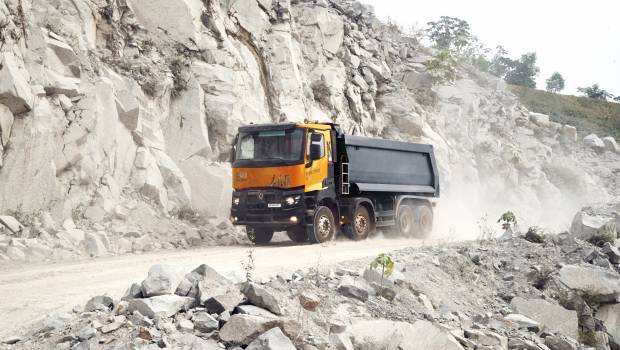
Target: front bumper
254,208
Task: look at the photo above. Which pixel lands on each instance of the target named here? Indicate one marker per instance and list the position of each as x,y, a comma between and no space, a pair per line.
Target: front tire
297,234
259,235
324,226
361,226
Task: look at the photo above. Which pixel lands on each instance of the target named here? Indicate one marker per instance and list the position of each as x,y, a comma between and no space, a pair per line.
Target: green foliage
449,34
507,219
595,92
587,338
590,115
523,71
386,263
442,68
555,83
23,217
535,235
606,234
617,98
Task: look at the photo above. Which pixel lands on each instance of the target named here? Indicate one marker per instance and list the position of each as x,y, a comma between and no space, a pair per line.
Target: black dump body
377,165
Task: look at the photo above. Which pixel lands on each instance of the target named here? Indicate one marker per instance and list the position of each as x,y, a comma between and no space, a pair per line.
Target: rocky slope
561,293
109,103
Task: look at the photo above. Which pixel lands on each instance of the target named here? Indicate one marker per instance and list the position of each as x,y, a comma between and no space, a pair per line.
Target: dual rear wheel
414,220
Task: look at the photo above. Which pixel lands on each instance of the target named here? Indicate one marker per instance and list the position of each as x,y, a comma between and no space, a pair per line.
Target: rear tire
297,234
324,226
259,235
361,225
423,215
405,220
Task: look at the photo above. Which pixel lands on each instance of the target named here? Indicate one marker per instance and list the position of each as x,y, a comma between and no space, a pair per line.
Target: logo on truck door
281,180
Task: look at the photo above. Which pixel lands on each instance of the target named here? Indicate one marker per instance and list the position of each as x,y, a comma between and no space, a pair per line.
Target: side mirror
233,149
315,151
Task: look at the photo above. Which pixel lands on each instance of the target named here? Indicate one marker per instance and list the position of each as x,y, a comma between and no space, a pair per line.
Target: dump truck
314,182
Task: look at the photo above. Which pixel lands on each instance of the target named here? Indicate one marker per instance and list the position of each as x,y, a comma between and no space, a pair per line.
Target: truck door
317,171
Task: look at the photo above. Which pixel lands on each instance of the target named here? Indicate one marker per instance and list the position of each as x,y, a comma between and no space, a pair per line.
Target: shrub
386,263
535,235
442,68
508,219
605,234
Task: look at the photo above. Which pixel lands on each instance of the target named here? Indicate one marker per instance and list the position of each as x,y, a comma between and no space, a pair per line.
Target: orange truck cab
312,181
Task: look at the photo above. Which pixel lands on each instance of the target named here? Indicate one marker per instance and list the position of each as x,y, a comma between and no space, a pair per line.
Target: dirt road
30,292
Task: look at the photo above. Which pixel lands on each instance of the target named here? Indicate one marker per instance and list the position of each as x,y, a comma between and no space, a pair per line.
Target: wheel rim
405,220
361,224
324,226
425,221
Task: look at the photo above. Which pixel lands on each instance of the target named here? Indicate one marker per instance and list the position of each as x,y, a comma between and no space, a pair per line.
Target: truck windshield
283,146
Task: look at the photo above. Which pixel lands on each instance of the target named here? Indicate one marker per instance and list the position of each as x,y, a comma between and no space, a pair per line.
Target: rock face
243,329
262,298
117,96
594,142
553,317
595,282
162,305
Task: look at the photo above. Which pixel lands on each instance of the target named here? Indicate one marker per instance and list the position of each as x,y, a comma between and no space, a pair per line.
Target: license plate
274,205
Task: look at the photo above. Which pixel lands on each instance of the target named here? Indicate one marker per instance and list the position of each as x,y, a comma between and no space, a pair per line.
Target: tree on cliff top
595,92
555,83
449,34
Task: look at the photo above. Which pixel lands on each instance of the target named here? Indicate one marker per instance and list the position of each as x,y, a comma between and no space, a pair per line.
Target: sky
579,39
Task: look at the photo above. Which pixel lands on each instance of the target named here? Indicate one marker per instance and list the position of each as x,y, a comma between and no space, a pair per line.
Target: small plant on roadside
386,263
249,265
186,213
508,220
535,235
541,276
606,234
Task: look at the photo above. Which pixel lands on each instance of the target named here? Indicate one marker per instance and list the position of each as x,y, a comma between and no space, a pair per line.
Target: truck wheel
259,235
297,234
423,215
405,221
361,226
324,227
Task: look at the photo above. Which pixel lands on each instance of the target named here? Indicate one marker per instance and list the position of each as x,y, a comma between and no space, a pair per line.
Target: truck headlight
235,201
292,200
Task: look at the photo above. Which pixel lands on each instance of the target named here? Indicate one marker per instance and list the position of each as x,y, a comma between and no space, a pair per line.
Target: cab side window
318,139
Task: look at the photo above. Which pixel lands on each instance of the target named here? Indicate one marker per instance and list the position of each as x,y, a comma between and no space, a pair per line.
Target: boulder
185,325
611,145
383,334
568,134
584,225
203,282
261,297
15,90
254,311
161,279
598,284
551,316
594,142
94,246
487,338
243,329
540,119
523,321
273,339
610,316
11,224
554,342
613,254
205,323
163,305
351,288
99,303
222,302
309,301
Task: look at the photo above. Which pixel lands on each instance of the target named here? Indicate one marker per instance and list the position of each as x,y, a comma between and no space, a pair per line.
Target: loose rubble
506,294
